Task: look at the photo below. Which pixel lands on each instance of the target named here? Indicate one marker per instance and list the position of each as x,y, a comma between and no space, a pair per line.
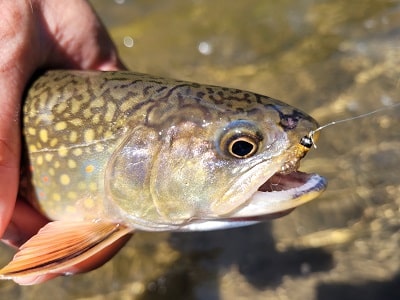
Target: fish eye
240,139
243,147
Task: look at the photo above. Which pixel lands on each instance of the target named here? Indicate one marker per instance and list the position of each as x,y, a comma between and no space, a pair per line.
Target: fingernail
12,235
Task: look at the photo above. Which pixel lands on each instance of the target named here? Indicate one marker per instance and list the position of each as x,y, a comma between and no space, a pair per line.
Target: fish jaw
282,192
277,197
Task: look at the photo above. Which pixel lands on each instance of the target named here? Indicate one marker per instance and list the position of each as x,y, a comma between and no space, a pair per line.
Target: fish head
228,156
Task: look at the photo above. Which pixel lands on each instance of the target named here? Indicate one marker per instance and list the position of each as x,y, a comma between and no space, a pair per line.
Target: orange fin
62,247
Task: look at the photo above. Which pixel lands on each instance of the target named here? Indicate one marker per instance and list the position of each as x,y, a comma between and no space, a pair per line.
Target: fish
107,154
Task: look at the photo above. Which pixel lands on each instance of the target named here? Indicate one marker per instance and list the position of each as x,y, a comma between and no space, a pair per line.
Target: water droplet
205,48
128,42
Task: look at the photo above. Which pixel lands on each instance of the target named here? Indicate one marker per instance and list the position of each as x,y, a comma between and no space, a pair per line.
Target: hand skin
39,34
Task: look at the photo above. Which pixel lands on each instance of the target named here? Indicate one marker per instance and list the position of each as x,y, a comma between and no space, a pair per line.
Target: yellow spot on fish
77,152
111,107
52,172
107,134
75,106
61,107
39,160
56,164
87,113
99,130
48,157
56,197
96,119
53,142
43,135
32,131
76,122
88,203
62,151
99,102
89,169
99,148
43,98
89,135
61,125
73,137
32,148
64,179
71,163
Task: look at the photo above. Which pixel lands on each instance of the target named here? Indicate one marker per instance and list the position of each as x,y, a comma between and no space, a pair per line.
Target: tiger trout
110,153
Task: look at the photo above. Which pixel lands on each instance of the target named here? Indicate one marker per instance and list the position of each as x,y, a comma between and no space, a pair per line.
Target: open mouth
276,197
285,181
282,192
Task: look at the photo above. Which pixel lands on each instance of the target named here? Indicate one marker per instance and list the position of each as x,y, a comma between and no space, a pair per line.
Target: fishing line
308,140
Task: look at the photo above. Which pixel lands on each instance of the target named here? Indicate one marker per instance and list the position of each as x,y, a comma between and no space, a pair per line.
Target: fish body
114,152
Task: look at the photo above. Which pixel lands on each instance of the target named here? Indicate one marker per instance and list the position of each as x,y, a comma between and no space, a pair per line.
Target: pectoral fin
65,248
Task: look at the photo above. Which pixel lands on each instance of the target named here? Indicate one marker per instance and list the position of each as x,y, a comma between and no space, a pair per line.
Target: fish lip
280,194
282,181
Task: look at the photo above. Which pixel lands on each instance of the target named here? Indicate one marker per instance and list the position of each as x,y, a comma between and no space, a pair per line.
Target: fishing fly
308,140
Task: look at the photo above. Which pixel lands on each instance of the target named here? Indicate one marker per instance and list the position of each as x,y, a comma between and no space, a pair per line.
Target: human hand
39,34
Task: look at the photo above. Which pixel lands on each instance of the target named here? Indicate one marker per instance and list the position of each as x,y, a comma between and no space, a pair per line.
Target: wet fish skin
122,134
109,153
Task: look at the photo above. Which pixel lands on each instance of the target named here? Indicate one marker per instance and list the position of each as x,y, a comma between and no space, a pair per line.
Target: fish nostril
288,122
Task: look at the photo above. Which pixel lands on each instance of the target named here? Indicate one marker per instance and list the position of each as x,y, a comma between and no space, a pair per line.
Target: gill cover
163,177
127,175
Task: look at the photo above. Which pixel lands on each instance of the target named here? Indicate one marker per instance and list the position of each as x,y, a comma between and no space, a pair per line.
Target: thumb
17,61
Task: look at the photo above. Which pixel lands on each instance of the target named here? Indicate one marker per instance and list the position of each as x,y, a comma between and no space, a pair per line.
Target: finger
25,222
16,37
91,48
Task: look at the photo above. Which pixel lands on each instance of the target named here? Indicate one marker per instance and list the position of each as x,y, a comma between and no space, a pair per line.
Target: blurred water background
332,58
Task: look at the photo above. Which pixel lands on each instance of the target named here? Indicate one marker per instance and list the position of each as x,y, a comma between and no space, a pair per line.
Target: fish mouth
280,194
275,198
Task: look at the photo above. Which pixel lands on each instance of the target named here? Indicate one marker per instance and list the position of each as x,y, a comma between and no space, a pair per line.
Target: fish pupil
242,148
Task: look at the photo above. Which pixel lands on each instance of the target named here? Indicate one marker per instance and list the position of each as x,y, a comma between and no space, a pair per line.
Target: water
334,59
